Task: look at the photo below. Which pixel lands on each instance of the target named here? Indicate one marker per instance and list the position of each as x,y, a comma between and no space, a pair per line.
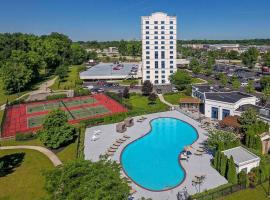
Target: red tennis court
29,116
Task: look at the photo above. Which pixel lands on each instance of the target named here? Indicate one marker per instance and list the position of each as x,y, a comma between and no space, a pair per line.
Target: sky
105,20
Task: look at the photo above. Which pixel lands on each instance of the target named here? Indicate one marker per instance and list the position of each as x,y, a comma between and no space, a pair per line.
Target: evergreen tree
223,164
243,179
216,160
231,173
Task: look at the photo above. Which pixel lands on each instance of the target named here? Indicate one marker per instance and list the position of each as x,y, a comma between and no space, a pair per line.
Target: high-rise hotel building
158,47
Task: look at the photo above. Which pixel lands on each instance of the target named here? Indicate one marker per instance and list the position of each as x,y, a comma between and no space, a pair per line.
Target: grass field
258,193
141,103
128,82
70,81
173,98
26,181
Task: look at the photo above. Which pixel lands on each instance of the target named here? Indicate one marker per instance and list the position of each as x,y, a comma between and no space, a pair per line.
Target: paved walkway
161,98
55,160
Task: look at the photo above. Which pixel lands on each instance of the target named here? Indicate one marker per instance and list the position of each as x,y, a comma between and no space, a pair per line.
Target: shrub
24,136
147,88
56,96
81,91
231,173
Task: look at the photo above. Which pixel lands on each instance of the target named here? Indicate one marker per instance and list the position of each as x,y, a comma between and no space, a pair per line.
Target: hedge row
56,96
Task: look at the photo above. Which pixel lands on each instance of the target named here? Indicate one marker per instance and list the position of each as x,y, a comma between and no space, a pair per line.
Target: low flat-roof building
218,105
244,160
111,71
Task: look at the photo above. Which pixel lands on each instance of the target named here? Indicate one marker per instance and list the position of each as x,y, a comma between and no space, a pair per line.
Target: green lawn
197,80
67,153
70,81
141,104
173,98
26,181
258,193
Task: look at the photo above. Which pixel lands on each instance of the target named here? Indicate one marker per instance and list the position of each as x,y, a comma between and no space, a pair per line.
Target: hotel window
156,76
156,22
171,42
147,22
156,32
163,81
171,22
156,27
171,66
171,47
156,47
156,81
163,64
163,76
171,52
147,27
147,72
147,67
147,37
171,37
171,62
156,54
162,54
171,57
162,32
171,32
156,72
162,27
162,22
147,32
156,42
225,113
148,77
148,62
214,113
163,37
163,72
171,71
147,52
147,57
156,37
156,64
162,42
147,47
162,47
171,27
147,42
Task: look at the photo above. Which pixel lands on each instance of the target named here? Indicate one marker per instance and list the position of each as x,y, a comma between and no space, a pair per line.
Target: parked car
174,89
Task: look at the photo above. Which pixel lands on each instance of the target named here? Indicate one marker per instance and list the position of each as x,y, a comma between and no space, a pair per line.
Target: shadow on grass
8,163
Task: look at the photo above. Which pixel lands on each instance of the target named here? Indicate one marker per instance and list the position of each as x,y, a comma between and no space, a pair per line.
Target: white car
89,87
243,84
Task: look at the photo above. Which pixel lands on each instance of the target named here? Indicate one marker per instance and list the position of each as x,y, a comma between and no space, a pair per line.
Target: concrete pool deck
196,165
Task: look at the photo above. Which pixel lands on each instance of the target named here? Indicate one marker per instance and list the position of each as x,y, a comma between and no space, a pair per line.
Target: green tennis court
47,106
89,112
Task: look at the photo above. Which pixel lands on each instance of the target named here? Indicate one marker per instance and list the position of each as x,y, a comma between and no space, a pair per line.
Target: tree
61,72
123,48
81,179
223,164
250,87
56,132
265,82
223,79
78,54
216,161
266,94
243,179
233,55
267,59
147,87
195,66
181,79
126,93
235,83
250,57
217,139
248,118
152,98
231,173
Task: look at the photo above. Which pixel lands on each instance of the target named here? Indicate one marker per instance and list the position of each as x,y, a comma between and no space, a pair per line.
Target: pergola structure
189,102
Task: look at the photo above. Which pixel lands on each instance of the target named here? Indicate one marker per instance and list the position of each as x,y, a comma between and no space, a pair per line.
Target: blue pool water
153,160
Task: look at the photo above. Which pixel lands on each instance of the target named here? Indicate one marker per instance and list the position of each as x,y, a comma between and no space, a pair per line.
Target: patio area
196,165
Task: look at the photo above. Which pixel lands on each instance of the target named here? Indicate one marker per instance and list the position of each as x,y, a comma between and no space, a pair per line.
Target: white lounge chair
94,138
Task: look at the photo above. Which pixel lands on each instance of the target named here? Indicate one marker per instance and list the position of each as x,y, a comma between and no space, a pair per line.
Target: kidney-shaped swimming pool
152,161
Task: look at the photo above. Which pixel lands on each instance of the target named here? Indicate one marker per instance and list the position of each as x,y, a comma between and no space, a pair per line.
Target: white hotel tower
158,47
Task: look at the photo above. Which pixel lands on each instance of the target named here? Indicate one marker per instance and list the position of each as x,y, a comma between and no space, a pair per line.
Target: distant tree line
23,56
242,42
